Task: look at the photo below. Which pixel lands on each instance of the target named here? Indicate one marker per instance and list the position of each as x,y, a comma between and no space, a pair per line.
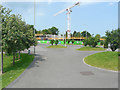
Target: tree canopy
16,34
84,33
52,31
112,37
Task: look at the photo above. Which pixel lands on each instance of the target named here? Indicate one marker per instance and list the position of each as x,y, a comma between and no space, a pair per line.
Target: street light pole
80,37
86,34
65,39
34,24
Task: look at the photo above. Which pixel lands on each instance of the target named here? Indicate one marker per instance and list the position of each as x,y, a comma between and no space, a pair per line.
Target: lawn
107,60
91,49
0,75
12,72
56,46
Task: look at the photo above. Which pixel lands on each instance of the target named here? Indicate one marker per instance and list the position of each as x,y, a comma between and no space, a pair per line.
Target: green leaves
56,42
91,41
112,37
53,31
16,34
52,42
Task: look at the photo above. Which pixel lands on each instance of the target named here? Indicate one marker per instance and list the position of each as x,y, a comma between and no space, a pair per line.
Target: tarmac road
64,68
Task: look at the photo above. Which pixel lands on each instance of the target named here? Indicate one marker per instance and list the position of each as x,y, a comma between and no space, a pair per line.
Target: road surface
64,68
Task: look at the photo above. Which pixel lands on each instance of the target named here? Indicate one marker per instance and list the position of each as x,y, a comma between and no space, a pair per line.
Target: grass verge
56,46
11,72
91,49
106,60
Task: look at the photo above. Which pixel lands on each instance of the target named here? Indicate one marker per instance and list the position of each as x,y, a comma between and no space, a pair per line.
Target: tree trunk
19,55
13,58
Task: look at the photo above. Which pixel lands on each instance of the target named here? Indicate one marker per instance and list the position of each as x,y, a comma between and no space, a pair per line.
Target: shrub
68,41
112,37
91,41
118,53
101,42
106,44
73,41
85,42
114,45
94,41
94,44
51,42
56,42
64,41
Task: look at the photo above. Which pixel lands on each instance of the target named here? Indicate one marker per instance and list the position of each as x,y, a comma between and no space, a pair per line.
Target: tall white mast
68,17
68,21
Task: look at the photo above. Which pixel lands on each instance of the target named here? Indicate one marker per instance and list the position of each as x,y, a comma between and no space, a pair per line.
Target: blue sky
93,17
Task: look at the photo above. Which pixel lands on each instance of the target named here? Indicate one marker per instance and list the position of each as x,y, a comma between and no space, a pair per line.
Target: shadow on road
38,59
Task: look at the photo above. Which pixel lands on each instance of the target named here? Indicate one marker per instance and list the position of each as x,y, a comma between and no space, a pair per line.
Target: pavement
63,68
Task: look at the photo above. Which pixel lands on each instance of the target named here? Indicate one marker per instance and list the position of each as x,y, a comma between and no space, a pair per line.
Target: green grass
91,49
107,60
0,75
56,46
11,72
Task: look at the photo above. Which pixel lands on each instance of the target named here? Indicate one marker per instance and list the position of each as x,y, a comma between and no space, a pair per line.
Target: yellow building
56,37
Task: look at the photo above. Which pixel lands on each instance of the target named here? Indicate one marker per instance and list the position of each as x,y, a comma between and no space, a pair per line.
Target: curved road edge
97,67
22,74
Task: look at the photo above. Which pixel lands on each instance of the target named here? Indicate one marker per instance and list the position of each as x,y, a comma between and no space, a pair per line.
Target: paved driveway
64,68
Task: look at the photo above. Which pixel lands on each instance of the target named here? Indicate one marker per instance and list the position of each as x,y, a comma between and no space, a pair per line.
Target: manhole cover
87,73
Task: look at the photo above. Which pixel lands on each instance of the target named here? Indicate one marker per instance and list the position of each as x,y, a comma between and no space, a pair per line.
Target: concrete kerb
18,78
97,67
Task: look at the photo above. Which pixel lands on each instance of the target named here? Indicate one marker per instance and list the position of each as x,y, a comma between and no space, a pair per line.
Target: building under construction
57,37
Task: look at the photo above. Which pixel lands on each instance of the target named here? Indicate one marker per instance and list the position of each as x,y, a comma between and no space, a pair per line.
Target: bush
64,41
112,37
94,41
68,41
56,42
114,45
51,42
90,41
113,48
106,44
94,44
118,53
73,41
85,42
101,42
